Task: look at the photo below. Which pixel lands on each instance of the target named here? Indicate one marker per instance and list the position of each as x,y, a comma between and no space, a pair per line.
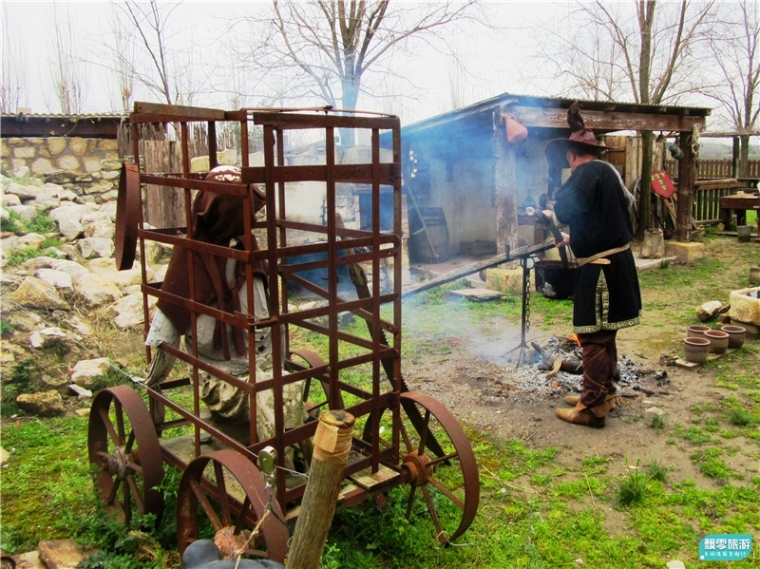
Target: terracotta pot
515,131
718,341
696,349
697,330
736,335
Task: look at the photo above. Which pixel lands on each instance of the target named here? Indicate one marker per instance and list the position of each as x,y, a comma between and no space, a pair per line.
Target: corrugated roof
55,116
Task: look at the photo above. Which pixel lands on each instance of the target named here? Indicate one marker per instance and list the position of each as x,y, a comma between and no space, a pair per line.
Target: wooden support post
332,443
505,190
687,174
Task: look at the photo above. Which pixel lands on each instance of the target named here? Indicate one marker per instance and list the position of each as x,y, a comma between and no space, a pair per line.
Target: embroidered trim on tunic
602,312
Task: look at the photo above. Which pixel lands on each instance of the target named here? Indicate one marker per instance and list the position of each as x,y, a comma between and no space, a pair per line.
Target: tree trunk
687,174
743,156
350,98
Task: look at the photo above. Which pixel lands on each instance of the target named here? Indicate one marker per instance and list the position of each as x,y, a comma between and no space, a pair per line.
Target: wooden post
686,177
332,443
505,190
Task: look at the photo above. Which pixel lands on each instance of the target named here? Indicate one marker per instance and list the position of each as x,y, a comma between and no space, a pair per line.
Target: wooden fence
716,169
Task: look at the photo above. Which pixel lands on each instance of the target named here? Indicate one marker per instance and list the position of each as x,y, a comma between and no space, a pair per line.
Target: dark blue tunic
593,203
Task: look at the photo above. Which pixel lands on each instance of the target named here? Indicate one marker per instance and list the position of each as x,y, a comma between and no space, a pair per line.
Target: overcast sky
491,59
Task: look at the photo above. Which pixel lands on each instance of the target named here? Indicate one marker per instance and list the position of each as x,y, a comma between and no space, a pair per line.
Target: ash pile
555,369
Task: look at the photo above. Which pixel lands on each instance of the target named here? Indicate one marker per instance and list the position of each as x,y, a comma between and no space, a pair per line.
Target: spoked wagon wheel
123,445
321,391
447,484
225,489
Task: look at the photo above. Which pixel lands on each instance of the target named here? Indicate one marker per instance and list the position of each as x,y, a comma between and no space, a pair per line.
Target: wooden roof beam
538,117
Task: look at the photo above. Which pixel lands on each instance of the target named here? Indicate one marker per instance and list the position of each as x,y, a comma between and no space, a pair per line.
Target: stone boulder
71,268
710,310
43,404
92,247
50,337
25,193
96,290
128,311
34,293
30,241
86,372
11,200
106,268
60,280
25,212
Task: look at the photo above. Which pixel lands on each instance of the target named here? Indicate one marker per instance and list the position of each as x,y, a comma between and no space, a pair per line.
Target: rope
695,143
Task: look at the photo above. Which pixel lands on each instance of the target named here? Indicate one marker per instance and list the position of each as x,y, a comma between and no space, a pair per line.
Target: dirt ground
482,385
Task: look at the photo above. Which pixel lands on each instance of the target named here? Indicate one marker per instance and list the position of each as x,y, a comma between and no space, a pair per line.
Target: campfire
554,367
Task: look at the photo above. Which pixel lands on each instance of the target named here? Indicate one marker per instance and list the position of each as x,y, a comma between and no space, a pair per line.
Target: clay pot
697,330
736,335
696,349
718,341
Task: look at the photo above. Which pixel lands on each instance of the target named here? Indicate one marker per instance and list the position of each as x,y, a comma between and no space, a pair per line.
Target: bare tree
13,85
323,49
69,71
141,49
735,47
643,50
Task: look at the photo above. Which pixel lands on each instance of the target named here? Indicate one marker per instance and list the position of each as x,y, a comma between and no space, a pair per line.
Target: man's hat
581,137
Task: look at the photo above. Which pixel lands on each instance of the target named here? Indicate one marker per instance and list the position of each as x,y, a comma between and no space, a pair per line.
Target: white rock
96,290
31,240
45,203
70,228
11,200
5,456
43,338
675,565
25,212
70,211
159,272
102,228
33,293
4,215
80,326
71,268
24,192
80,392
67,196
60,280
91,247
107,268
109,209
8,244
85,372
709,310
21,172
53,189
654,411
128,311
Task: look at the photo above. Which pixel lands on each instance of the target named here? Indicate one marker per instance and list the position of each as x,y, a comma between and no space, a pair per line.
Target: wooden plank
179,112
289,121
603,120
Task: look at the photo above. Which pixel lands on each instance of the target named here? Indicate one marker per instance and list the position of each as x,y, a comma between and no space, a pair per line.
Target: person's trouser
599,365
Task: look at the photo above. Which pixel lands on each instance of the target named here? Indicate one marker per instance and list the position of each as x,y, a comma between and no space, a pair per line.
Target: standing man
594,203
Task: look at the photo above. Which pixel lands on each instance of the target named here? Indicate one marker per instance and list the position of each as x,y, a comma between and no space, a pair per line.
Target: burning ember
555,367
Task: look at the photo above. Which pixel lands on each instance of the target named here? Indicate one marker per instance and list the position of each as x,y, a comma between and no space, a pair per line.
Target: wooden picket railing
716,169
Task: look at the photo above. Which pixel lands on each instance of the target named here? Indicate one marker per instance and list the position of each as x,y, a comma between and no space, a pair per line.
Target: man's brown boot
581,417
574,399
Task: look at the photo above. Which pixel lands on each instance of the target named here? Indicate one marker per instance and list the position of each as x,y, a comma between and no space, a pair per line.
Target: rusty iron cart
400,437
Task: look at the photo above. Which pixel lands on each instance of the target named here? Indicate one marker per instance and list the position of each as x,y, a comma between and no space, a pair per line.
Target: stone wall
89,167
